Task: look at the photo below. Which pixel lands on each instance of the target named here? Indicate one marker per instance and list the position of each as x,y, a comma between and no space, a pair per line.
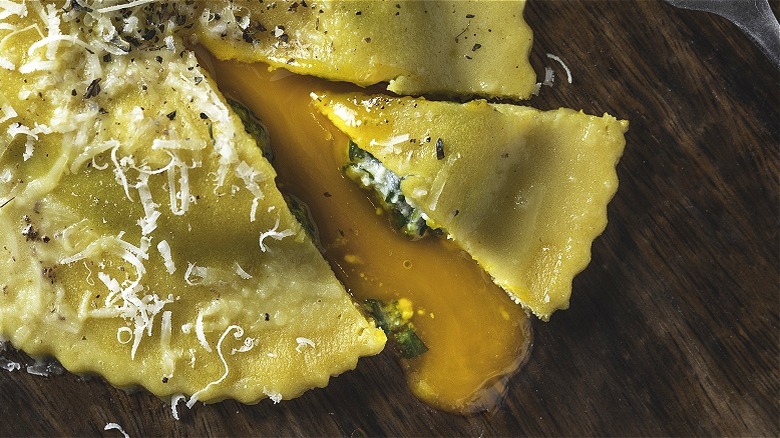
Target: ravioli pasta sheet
467,47
524,191
141,232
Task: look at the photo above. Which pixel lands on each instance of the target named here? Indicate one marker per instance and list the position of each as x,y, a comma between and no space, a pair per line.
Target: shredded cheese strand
119,7
563,64
115,426
239,332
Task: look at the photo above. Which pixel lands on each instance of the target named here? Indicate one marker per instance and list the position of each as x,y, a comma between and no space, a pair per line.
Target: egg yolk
477,337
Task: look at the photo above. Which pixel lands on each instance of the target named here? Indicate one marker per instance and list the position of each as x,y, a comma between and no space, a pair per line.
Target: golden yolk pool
477,337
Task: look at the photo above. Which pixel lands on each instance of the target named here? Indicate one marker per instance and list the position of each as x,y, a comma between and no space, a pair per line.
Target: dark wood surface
673,328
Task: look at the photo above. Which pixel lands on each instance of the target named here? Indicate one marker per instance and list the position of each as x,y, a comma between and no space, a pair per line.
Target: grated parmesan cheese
303,342
238,333
563,64
200,334
175,399
274,396
241,272
8,8
115,426
165,251
197,271
8,112
549,77
9,365
168,356
273,233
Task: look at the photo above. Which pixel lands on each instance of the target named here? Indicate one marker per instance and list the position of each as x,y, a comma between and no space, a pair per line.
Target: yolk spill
477,337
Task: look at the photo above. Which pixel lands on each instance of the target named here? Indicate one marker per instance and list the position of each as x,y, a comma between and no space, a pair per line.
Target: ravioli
451,47
142,235
524,191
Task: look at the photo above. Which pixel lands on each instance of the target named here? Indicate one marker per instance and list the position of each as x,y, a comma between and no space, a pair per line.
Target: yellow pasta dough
524,191
143,237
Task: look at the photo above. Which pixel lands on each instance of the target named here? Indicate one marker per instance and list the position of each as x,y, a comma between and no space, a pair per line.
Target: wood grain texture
673,328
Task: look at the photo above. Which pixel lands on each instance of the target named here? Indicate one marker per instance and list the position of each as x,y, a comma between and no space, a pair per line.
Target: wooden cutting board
673,328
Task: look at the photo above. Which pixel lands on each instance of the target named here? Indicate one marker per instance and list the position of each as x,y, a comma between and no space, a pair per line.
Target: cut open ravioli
143,237
524,191
451,47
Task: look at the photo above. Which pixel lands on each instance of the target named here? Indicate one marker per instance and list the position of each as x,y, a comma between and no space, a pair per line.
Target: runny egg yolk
477,337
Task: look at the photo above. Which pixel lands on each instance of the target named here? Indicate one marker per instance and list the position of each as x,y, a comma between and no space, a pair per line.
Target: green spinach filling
389,318
371,174
254,127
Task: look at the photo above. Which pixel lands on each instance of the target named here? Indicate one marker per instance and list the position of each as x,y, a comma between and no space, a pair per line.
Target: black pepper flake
198,79
455,213
462,32
476,47
327,194
279,32
158,58
469,15
76,6
204,116
171,115
267,317
48,272
73,92
107,57
165,380
30,233
358,13
439,149
367,39
93,89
